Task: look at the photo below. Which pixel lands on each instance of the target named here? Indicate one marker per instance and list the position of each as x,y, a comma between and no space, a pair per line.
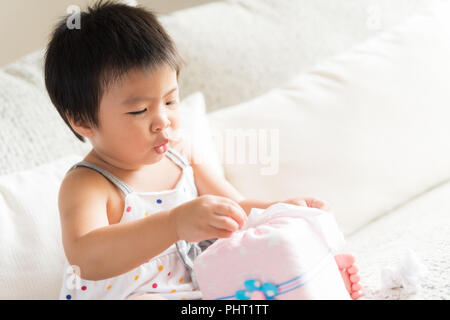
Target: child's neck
164,174
115,167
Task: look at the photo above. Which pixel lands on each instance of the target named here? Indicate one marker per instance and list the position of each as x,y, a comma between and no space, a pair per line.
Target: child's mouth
161,148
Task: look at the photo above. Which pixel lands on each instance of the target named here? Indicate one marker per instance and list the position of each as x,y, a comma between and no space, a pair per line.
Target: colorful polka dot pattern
133,211
154,285
136,277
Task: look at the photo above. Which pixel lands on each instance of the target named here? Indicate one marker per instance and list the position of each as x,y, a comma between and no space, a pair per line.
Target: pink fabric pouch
282,252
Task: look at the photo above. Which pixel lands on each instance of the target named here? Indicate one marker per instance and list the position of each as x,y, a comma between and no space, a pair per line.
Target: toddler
138,209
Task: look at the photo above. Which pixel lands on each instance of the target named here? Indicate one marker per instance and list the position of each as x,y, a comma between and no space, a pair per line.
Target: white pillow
366,130
239,49
31,131
32,256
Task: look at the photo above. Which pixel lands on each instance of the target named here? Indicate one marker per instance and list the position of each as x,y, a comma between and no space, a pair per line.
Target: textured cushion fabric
32,256
422,226
31,130
239,49
366,130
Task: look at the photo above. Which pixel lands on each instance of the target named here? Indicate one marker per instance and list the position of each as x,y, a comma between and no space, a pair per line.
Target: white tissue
407,275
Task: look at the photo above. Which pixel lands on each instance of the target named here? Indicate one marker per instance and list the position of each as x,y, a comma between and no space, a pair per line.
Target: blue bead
269,287
251,285
68,297
159,201
241,295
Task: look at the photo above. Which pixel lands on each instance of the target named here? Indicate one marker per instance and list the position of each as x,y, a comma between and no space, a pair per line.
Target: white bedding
422,225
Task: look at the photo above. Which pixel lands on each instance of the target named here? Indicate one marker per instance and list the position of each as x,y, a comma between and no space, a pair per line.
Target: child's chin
154,157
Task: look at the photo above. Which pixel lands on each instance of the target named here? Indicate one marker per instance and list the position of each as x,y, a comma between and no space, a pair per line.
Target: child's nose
160,122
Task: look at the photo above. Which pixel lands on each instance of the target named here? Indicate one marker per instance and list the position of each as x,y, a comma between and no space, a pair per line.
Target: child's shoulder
82,183
82,175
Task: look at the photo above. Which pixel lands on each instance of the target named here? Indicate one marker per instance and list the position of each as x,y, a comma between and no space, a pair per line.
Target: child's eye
138,112
171,102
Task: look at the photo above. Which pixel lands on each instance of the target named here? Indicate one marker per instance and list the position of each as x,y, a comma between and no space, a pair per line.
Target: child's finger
297,202
224,223
239,210
228,209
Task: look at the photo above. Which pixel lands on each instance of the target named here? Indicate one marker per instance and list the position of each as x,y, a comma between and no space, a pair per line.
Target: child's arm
208,182
102,250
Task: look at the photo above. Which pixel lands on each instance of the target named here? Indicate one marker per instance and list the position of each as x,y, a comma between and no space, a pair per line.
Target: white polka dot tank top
170,273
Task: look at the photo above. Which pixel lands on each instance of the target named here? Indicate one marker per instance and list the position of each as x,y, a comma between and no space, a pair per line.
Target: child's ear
81,128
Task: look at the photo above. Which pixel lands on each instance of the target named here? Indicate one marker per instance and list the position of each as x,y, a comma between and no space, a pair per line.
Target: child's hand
309,202
207,217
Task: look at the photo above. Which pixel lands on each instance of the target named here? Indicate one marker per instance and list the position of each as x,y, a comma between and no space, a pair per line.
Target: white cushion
32,256
239,49
31,131
366,130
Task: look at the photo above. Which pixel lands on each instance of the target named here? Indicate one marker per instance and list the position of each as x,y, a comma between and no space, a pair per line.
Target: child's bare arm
209,182
101,250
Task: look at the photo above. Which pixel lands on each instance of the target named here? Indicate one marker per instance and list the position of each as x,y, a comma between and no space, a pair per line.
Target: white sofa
356,89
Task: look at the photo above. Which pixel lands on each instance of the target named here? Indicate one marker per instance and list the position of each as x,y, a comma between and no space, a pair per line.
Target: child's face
137,115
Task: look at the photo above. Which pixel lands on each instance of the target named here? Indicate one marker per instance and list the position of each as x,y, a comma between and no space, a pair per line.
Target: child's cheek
175,121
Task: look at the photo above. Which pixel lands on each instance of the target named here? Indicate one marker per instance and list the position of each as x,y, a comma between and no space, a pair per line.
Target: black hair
113,38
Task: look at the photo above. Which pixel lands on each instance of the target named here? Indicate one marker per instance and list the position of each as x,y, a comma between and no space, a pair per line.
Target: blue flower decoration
270,290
